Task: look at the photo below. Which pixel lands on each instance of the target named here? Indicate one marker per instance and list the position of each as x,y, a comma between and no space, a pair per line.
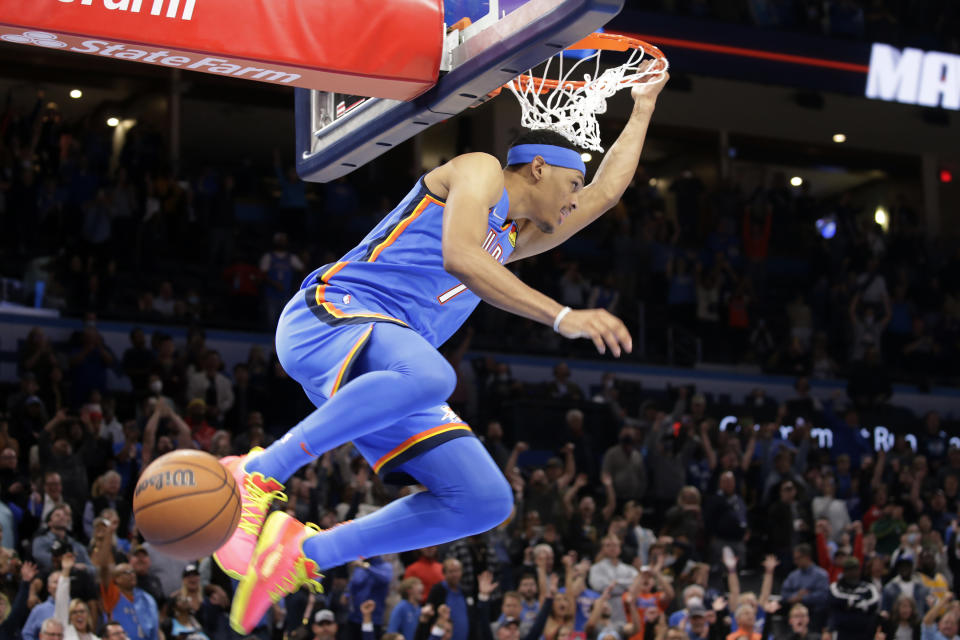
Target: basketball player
361,337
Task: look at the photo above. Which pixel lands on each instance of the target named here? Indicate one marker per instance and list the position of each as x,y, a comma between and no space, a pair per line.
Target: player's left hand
649,87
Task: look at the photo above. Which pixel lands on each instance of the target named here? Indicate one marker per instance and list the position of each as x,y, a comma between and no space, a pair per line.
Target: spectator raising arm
733,580
611,496
61,599
426,630
184,434
929,630
569,467
150,432
571,494
10,628
518,448
766,586
596,612
544,583
366,624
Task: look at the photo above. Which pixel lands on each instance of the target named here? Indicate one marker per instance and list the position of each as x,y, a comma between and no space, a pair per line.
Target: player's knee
486,504
438,380
495,503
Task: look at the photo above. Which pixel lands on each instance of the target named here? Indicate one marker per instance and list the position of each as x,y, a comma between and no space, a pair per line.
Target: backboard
336,133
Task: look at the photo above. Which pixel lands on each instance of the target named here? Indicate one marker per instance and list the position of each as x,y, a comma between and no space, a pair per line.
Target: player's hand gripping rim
600,326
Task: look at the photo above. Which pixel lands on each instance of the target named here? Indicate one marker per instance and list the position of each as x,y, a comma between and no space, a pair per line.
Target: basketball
186,504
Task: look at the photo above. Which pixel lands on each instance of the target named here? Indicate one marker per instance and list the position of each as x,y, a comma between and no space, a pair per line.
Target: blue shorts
321,332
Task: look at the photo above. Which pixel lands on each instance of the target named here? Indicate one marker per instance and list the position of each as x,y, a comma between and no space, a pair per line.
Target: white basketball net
572,110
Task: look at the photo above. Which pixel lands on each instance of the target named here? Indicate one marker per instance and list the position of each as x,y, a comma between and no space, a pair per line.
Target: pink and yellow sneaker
256,494
277,569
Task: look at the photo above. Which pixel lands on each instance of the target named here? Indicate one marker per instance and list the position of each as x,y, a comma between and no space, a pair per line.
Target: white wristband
560,316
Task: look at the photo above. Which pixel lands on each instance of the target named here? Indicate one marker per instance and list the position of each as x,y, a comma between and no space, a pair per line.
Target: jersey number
488,245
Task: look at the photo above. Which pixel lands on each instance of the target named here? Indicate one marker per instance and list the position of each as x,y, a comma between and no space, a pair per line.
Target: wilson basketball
186,504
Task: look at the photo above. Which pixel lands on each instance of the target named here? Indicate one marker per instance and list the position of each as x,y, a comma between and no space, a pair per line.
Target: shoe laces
253,510
298,575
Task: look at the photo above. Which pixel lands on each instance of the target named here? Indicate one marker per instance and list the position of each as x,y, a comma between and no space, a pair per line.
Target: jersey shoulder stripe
406,216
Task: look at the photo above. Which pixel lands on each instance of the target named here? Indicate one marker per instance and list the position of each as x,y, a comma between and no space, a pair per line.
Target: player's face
559,196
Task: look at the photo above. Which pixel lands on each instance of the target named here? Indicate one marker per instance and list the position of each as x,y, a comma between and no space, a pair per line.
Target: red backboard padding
381,48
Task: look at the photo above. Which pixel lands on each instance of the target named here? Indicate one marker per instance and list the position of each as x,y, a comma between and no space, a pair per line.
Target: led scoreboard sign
913,76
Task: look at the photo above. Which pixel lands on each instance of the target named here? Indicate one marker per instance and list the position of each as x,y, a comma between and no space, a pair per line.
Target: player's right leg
374,373
466,494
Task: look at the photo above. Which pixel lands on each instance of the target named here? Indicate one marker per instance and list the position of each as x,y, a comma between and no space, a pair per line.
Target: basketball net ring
570,107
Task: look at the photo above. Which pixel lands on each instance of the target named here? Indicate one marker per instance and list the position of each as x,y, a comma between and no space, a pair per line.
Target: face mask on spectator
156,387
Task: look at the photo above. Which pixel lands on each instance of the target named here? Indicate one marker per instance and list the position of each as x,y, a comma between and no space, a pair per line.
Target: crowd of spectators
654,521
925,24
743,271
638,518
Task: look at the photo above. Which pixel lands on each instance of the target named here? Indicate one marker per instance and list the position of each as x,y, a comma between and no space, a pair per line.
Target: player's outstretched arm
612,178
474,183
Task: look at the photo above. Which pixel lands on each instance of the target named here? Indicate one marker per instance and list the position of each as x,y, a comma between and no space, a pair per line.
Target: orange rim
601,41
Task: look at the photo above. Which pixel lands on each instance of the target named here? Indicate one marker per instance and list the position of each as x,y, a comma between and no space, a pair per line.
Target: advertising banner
364,47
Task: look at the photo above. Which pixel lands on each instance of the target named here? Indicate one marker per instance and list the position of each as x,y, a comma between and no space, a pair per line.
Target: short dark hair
804,549
543,136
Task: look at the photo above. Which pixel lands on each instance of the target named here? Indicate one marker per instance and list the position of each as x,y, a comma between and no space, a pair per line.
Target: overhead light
796,181
586,157
112,121
839,138
652,182
76,93
882,218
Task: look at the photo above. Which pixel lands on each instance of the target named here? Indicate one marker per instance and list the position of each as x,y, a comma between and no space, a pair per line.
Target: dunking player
361,337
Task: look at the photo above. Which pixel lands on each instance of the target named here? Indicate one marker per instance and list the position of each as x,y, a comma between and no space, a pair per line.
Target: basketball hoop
570,107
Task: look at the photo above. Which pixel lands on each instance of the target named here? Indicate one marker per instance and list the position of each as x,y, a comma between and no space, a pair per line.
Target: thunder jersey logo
492,246
449,415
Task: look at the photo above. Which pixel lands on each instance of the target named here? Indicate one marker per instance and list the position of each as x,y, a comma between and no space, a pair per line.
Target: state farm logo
38,38
156,6
142,53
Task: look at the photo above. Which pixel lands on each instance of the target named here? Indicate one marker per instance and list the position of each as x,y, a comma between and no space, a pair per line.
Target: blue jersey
397,270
